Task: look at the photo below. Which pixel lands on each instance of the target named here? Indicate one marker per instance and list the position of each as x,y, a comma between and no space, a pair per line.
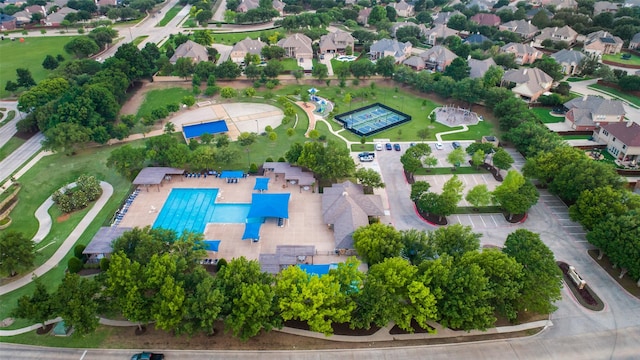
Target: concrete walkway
463,129
67,245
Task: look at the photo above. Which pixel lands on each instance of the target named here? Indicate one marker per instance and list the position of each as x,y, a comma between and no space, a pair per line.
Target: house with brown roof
439,31
345,208
486,19
564,33
528,83
438,58
524,54
589,112
634,43
56,18
192,50
479,67
246,5
363,16
523,28
605,6
244,47
442,18
298,46
415,62
100,3
560,4
336,42
403,9
602,42
622,140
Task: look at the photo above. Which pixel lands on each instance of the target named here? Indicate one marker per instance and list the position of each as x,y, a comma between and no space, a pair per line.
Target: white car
439,146
379,147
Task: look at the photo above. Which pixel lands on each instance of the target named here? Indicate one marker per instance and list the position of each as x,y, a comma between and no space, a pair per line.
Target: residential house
569,60
483,5
415,62
602,42
298,46
336,42
24,16
345,208
485,19
529,83
635,41
534,11
622,139
279,6
560,4
363,16
395,27
479,67
605,6
521,27
388,47
525,54
112,3
191,50
55,5
564,33
57,17
439,31
476,39
403,9
438,58
246,5
7,22
442,18
589,112
244,47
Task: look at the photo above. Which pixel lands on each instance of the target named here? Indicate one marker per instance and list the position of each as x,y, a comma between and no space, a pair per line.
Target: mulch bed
417,329
338,328
626,282
494,171
432,219
585,296
515,218
87,272
24,135
410,178
45,329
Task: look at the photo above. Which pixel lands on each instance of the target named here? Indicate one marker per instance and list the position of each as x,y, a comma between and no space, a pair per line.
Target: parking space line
471,221
484,222
494,221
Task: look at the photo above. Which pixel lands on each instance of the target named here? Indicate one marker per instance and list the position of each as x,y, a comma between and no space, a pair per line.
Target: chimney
629,123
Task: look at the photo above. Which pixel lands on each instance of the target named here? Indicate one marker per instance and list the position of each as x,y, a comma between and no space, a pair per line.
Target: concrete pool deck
304,226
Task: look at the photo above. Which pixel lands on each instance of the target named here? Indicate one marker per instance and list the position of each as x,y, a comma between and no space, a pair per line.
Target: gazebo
155,176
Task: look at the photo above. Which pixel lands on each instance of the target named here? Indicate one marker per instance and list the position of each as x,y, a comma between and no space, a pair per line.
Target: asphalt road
9,129
14,161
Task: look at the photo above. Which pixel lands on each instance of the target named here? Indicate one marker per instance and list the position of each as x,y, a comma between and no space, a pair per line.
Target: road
9,129
15,160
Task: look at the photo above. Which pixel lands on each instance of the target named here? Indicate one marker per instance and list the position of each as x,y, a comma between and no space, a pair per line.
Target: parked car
388,146
455,144
379,147
147,356
439,146
366,158
397,147
367,154
412,144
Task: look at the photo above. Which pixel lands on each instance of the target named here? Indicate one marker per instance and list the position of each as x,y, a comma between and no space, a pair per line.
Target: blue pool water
192,209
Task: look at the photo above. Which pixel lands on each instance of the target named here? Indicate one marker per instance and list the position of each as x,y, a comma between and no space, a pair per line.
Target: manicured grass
576,79
170,15
94,340
361,147
544,115
233,38
29,54
10,116
10,146
476,132
462,170
60,170
139,39
337,65
576,137
290,65
190,23
324,130
160,98
635,101
634,60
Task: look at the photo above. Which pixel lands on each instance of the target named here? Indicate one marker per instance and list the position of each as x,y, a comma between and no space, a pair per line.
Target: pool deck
304,226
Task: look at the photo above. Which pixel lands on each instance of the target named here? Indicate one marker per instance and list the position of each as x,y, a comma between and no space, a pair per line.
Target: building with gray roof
192,50
569,60
529,83
588,112
389,47
479,67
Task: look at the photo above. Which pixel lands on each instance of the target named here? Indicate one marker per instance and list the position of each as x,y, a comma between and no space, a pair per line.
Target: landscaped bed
585,296
626,282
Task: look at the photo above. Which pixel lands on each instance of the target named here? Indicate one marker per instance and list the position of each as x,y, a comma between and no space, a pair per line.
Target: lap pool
192,209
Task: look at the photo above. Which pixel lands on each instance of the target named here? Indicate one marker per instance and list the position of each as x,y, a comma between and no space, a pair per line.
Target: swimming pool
192,209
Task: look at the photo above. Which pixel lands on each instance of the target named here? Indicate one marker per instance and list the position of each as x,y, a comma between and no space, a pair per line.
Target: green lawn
617,58
155,99
9,116
361,147
94,340
337,65
10,146
290,65
170,15
28,54
233,38
449,171
576,137
60,170
139,39
635,101
576,79
543,114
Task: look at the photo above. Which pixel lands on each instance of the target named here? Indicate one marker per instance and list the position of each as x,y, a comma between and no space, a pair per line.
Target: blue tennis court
371,119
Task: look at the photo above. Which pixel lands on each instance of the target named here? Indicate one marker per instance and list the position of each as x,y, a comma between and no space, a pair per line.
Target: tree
458,69
328,162
542,278
17,253
203,18
76,303
423,134
584,174
617,236
127,160
479,196
184,67
454,240
362,68
502,159
477,159
550,67
38,307
273,68
369,178
66,137
320,71
203,304
25,79
81,47
594,205
393,291
11,86
253,71
456,157
50,62
247,138
378,13
385,66
545,166
516,194
376,242
492,77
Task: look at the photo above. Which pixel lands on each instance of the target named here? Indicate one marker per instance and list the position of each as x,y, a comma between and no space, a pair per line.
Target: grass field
576,79
232,38
617,58
139,39
155,99
543,114
28,54
9,116
10,146
170,15
577,137
635,101
290,65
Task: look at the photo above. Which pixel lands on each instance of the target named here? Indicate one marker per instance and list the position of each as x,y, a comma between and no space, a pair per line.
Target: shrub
104,264
270,85
269,159
173,107
268,128
77,251
322,137
211,90
74,265
253,168
220,264
159,113
282,159
228,92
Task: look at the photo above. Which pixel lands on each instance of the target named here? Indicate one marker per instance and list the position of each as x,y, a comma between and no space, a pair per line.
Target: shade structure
252,231
319,269
211,245
211,127
261,184
231,174
269,205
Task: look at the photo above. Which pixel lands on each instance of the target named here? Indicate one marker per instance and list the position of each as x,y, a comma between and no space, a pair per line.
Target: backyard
544,115
617,58
634,100
232,38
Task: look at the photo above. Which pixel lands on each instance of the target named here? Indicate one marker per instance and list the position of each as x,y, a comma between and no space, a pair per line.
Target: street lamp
257,127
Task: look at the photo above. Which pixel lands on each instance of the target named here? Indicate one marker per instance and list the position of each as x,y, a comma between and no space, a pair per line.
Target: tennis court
371,119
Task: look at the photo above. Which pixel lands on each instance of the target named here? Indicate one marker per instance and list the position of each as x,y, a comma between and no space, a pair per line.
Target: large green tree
17,253
618,236
76,302
377,242
81,47
584,174
127,160
38,307
330,161
369,178
516,194
479,196
545,166
593,206
455,240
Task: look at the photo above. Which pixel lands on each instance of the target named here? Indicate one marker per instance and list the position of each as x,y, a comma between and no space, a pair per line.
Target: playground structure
452,116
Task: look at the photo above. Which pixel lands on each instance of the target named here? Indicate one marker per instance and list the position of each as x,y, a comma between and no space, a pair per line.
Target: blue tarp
231,174
211,245
318,269
252,231
269,205
212,127
261,184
